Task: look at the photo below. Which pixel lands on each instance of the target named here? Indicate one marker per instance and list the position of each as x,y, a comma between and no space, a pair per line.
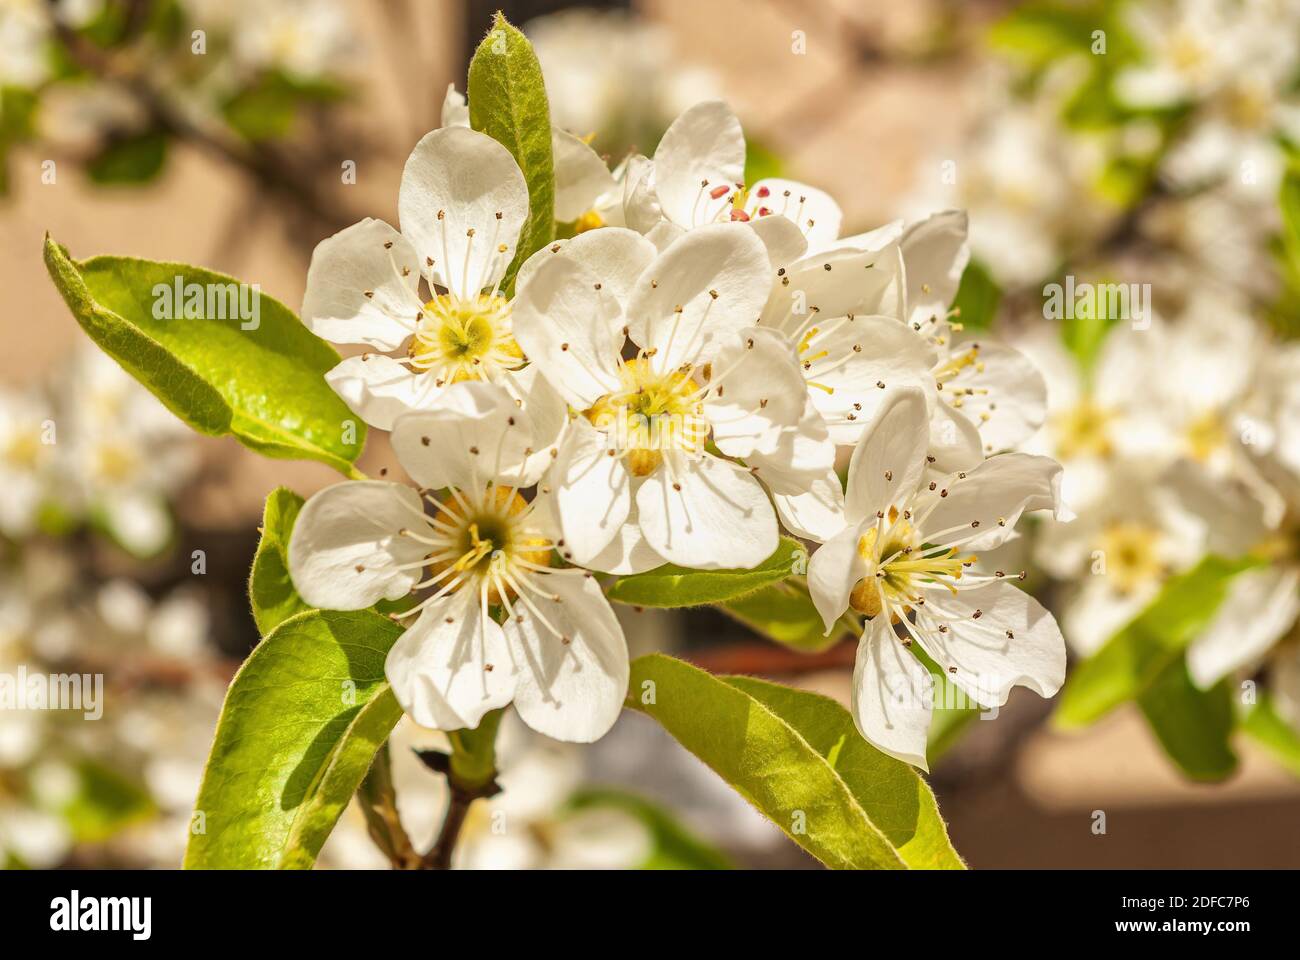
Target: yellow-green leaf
300,727
799,760
258,377
507,101
674,586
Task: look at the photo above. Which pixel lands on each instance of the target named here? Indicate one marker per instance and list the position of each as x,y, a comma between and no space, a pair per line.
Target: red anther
764,211
762,192
719,191
739,214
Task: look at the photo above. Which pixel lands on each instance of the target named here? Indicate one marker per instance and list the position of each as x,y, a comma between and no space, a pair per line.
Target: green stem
471,775
378,802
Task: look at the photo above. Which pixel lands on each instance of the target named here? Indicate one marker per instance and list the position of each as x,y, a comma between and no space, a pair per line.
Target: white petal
864,357
641,209
717,276
992,496
858,282
139,520
1013,642
802,457
439,668
591,492
546,411
474,434
935,253
476,184
1096,612
889,460
455,112
346,546
614,256
718,520
761,394
356,292
580,176
955,442
571,327
379,389
892,695
1261,606
628,552
785,242
815,514
834,570
813,211
1009,402
572,690
703,145
664,234
876,239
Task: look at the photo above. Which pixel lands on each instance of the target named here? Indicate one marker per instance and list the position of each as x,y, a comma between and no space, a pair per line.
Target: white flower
871,313
633,484
899,560
1263,603
26,455
1148,522
121,453
696,179
559,654
1021,178
25,28
306,39
462,203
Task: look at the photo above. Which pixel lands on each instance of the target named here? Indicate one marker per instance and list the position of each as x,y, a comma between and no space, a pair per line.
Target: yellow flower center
591,220
1131,552
115,463
1083,430
23,450
651,413
464,339
898,564
490,533
1206,435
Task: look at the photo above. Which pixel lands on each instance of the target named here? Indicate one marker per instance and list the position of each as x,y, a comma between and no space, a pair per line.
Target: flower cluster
1161,161
671,384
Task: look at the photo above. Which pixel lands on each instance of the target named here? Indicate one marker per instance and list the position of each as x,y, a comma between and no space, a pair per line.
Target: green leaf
977,297
1044,32
1270,729
104,803
300,727
264,110
799,760
674,586
1194,726
134,159
675,847
507,101
953,710
1136,658
265,386
761,161
271,592
784,612
1289,201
